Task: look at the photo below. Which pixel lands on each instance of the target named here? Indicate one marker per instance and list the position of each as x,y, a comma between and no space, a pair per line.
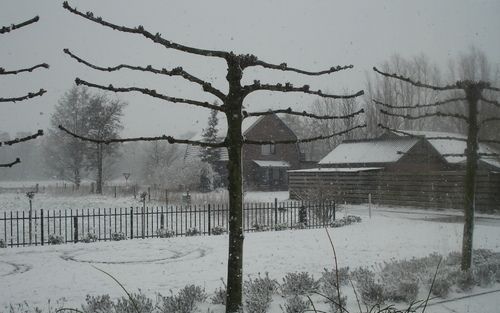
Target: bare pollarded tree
5,30
472,93
232,107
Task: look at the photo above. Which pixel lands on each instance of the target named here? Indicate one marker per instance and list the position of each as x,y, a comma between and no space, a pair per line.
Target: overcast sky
312,35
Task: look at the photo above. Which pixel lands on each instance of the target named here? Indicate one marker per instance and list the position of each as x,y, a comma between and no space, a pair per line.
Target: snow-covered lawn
36,274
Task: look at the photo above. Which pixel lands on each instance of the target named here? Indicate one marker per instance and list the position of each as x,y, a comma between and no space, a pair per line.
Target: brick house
264,166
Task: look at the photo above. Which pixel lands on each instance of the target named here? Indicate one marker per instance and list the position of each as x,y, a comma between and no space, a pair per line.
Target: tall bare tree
6,30
232,107
400,95
473,94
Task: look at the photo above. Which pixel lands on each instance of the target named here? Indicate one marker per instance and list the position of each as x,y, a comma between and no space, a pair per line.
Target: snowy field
17,201
160,265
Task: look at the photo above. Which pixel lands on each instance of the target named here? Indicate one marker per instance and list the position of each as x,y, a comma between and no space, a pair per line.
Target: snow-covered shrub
336,305
484,275
117,236
55,239
258,293
183,302
371,291
295,304
298,284
218,230
403,291
466,281
260,227
329,280
441,287
97,304
128,305
348,220
193,231
281,226
299,226
165,233
219,296
3,244
89,237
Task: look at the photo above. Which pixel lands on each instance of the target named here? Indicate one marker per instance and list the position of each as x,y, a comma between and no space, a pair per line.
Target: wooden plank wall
428,190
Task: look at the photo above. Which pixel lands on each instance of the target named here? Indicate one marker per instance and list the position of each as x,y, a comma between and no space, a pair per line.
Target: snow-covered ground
36,274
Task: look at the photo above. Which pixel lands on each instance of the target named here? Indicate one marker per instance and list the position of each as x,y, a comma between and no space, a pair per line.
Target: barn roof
386,150
454,146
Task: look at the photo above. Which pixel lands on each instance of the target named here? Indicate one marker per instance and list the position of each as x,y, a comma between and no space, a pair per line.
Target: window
268,149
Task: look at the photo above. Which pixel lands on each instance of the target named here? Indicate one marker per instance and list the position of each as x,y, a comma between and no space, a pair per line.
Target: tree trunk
234,139
99,170
473,94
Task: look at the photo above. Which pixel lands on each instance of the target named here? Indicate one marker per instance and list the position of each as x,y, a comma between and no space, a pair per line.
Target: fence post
41,226
209,221
334,210
131,223
75,227
162,220
370,205
275,211
115,191
149,194
166,198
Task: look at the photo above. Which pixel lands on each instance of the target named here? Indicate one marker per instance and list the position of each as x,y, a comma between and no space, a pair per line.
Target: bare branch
490,119
421,136
141,31
152,93
273,142
11,164
21,98
23,139
285,67
30,69
6,29
417,106
492,88
489,141
417,83
169,139
257,86
494,102
178,71
303,113
464,154
425,115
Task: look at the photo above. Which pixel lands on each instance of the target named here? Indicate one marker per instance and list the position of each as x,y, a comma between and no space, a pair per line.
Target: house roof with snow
448,144
380,150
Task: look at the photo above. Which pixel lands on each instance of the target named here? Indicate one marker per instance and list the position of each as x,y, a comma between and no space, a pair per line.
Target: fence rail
40,227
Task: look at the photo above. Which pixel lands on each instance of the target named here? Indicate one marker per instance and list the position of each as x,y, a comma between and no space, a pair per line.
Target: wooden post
115,191
75,228
209,221
149,194
166,198
131,223
275,211
370,205
41,226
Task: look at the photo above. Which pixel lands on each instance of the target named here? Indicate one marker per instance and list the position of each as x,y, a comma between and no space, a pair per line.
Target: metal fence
20,228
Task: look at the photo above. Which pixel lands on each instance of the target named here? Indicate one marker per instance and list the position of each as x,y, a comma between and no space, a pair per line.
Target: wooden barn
399,170
265,167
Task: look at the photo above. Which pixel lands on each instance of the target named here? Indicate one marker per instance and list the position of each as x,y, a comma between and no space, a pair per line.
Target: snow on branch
285,67
490,119
178,71
425,115
11,164
18,140
303,113
417,106
288,87
6,29
321,137
421,136
30,69
169,139
492,88
417,83
152,93
494,102
141,31
489,141
21,98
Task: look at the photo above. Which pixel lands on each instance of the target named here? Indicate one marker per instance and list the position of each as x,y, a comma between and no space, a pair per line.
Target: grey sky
312,35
